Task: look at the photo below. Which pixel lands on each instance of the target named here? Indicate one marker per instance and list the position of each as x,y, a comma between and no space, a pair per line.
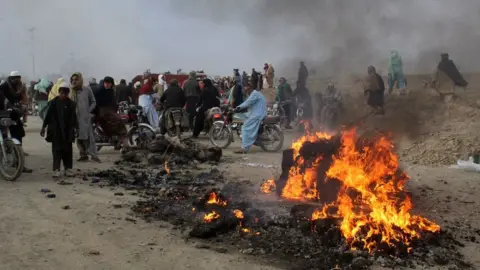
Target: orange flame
167,169
380,208
268,186
371,204
214,199
211,217
303,186
238,214
245,230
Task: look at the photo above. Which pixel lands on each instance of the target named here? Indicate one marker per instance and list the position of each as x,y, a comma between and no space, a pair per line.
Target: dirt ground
96,233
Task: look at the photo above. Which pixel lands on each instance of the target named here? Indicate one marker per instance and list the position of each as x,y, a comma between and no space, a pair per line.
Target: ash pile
339,203
173,150
149,170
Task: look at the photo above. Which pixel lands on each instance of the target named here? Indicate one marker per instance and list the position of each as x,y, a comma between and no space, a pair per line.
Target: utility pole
32,39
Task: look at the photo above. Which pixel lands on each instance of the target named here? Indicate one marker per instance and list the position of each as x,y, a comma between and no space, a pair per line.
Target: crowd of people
67,107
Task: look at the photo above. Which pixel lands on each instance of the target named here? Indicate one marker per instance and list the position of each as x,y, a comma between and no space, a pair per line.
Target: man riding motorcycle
11,97
332,100
284,94
173,97
304,102
208,99
106,113
145,99
257,111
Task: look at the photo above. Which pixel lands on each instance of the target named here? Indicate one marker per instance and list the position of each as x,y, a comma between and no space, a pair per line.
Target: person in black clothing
208,99
238,89
11,97
304,99
255,79
192,92
93,84
122,93
375,89
173,97
106,112
61,120
302,75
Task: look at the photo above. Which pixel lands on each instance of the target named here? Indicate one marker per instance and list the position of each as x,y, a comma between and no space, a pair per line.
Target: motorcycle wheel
283,117
276,132
220,128
136,129
18,163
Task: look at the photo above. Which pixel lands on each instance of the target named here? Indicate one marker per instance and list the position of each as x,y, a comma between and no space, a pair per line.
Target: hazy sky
122,38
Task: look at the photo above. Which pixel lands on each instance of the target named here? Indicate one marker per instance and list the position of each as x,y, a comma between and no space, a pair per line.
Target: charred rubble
218,212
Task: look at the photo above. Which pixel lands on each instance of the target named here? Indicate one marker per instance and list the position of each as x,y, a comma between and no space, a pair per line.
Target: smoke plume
347,36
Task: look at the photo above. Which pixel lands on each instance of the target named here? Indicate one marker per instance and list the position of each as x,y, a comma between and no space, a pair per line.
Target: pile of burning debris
339,203
343,204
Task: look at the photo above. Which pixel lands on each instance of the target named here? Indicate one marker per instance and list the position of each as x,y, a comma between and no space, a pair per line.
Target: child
61,120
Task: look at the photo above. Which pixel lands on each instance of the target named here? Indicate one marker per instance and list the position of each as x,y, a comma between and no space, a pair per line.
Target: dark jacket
302,76
9,97
122,93
173,97
105,98
255,82
61,122
191,88
208,98
95,86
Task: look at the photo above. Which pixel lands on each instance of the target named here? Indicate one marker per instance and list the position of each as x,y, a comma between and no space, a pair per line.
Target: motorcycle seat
271,120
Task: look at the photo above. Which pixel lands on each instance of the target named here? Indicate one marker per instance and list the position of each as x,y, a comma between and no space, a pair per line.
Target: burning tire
220,130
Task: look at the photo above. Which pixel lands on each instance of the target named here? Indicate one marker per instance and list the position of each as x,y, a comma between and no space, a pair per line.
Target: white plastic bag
467,165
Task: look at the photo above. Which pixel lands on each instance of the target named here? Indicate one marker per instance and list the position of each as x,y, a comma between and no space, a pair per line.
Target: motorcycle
212,115
12,155
123,108
179,118
269,132
138,126
300,110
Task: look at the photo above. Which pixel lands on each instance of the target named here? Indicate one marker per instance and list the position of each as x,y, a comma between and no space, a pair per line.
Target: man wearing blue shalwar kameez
257,111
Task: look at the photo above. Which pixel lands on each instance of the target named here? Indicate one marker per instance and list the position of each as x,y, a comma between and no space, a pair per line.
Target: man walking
85,100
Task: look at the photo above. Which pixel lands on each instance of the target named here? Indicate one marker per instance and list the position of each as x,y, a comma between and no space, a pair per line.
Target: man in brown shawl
447,76
375,89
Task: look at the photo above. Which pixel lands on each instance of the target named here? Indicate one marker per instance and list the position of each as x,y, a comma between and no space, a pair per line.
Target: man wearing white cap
11,94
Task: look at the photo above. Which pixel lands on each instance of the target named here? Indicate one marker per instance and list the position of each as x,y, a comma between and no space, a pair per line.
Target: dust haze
343,36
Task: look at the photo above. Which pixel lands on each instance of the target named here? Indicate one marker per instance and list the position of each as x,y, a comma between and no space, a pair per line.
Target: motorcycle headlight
275,106
6,122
